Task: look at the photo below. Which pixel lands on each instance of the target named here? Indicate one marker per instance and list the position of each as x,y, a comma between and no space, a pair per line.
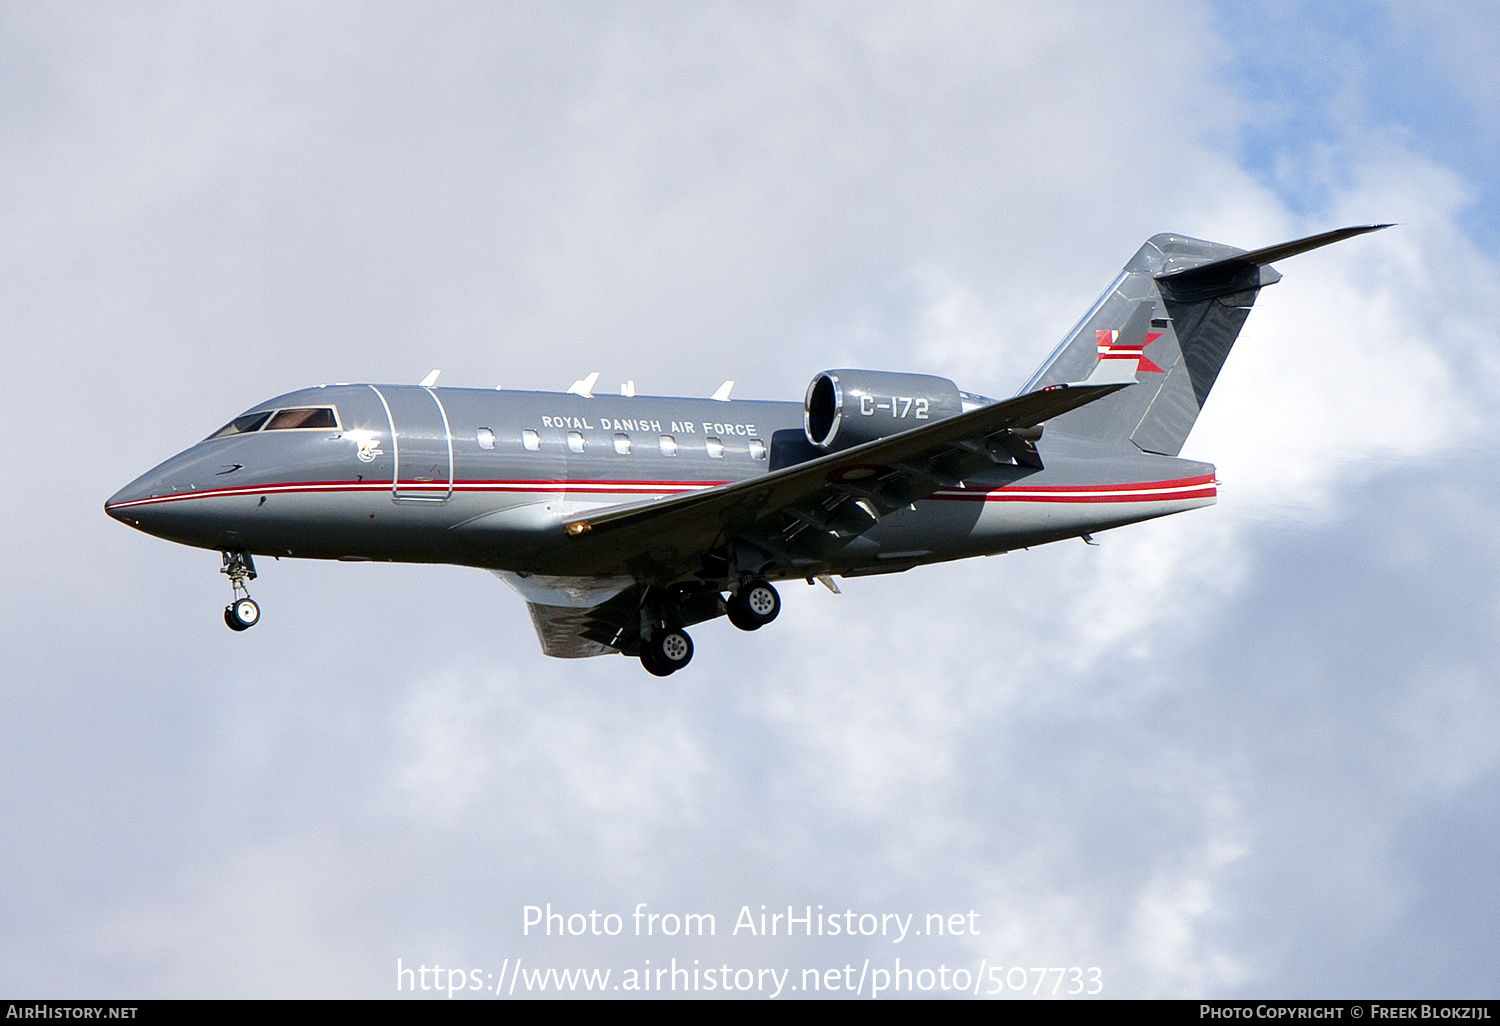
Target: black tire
740,616
670,651
754,605
648,660
242,614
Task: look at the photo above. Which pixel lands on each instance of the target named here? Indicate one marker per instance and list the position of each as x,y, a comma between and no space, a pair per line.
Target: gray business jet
623,520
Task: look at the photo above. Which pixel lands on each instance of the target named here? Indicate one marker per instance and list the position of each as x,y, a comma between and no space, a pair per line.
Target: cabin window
485,437
303,417
715,447
531,440
576,442
757,449
622,444
668,445
243,425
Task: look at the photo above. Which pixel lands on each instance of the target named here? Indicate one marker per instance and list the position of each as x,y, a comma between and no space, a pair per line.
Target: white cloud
279,918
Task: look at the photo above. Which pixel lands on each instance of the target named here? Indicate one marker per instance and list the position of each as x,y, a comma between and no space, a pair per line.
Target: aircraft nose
152,502
139,503
128,504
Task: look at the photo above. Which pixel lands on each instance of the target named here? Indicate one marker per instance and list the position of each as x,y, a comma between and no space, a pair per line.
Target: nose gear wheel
242,613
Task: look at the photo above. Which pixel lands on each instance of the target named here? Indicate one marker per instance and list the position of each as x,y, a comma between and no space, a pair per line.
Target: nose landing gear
242,613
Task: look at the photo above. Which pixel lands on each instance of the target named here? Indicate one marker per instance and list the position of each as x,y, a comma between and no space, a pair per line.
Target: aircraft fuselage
486,478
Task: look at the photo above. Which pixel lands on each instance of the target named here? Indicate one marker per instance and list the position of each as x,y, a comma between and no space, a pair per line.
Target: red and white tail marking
1110,349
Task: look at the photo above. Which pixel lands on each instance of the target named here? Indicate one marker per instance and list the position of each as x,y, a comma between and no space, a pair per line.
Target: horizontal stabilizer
1235,273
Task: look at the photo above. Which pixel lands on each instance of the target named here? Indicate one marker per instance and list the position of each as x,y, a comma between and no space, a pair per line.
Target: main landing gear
242,613
668,649
666,652
754,605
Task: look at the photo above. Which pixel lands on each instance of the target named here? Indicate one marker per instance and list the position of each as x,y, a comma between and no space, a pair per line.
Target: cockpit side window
281,420
241,425
303,417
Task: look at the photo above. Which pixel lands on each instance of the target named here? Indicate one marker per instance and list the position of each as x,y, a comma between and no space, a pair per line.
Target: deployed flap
577,632
574,632
564,631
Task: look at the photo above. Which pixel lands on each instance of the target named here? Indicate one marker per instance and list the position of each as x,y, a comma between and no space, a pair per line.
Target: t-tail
1167,325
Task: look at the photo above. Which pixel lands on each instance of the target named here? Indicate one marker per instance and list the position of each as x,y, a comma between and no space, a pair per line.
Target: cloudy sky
1250,750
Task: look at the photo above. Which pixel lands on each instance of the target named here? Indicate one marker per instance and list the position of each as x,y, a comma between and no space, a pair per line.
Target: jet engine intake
847,407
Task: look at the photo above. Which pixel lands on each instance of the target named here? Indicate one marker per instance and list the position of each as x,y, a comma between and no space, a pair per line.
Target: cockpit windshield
303,417
299,417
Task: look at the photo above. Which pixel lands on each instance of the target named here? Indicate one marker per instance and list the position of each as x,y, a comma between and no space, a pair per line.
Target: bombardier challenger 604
624,520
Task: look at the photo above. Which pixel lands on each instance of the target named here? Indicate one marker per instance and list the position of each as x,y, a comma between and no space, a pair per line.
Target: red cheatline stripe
1202,487
550,487
1203,479
1137,491
1200,493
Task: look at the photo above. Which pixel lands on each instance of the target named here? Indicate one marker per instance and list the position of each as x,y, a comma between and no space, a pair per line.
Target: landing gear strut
242,613
754,605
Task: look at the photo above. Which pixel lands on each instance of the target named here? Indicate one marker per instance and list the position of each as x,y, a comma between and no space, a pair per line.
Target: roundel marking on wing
856,472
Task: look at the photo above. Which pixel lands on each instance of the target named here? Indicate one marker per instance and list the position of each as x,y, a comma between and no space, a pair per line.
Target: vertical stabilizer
1167,324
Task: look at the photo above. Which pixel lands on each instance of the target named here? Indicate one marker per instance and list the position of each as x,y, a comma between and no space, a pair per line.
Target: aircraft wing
799,514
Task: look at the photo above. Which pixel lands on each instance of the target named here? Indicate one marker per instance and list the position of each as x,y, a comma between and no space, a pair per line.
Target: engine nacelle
847,407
